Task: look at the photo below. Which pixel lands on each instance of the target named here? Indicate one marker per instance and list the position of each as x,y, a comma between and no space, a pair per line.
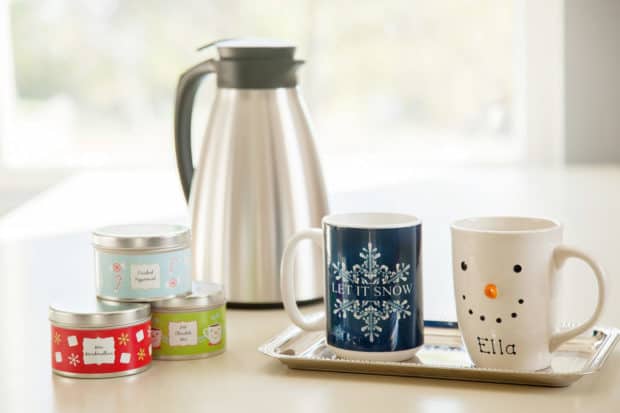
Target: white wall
592,80
7,81
539,80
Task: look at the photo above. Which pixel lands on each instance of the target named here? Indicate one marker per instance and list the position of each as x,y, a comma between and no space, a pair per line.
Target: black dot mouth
498,320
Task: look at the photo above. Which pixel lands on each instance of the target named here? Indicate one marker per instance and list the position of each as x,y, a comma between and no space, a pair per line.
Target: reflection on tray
444,356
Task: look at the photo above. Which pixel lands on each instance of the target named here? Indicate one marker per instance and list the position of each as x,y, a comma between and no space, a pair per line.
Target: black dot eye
499,320
517,268
520,300
471,311
513,315
463,265
463,296
481,318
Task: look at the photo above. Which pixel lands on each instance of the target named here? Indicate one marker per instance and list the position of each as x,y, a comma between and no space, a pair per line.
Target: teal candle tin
142,262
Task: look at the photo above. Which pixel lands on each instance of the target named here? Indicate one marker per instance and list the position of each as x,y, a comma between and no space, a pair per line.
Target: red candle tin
98,339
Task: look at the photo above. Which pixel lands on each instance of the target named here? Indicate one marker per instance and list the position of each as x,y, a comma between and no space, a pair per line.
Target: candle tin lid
93,313
141,236
204,295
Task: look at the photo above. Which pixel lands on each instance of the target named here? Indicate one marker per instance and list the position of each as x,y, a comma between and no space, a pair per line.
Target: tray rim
598,359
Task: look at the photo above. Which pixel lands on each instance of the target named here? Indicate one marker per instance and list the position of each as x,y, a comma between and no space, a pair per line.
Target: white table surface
45,253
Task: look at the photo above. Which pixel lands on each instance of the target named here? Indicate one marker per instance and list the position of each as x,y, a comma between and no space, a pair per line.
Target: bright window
387,84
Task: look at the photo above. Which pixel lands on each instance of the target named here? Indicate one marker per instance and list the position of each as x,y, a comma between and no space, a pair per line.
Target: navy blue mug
373,285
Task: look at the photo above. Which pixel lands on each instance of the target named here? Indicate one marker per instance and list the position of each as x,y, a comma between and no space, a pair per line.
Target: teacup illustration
213,333
155,337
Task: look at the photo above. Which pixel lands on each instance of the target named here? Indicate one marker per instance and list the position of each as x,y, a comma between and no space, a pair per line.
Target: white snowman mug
505,271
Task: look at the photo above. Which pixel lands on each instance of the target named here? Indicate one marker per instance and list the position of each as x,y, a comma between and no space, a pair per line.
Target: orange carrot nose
490,290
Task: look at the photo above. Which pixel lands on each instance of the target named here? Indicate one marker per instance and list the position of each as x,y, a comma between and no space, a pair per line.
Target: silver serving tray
443,356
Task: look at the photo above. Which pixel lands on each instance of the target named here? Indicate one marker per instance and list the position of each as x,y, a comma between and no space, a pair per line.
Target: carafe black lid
255,63
254,49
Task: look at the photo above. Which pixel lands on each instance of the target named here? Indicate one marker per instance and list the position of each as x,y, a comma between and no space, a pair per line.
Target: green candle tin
190,327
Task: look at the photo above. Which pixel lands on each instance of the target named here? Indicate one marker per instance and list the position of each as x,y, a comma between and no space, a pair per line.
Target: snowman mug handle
287,281
560,255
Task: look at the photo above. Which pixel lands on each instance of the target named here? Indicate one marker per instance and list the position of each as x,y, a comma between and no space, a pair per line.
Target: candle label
98,350
145,276
183,333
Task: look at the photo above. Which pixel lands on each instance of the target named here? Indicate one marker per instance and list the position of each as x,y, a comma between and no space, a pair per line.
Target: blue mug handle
287,280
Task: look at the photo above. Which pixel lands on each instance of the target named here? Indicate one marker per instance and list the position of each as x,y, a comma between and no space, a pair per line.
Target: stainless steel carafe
258,179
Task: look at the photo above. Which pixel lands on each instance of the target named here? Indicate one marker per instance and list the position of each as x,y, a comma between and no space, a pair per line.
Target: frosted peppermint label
145,276
183,333
98,350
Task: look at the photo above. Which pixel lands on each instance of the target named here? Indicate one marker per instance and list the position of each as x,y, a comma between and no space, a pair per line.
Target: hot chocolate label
183,333
100,351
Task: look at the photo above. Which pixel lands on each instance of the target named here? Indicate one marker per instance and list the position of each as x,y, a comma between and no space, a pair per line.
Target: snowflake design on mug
141,354
371,273
57,338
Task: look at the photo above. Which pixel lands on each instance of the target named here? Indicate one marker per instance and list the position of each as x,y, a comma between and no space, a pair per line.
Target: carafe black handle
184,105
